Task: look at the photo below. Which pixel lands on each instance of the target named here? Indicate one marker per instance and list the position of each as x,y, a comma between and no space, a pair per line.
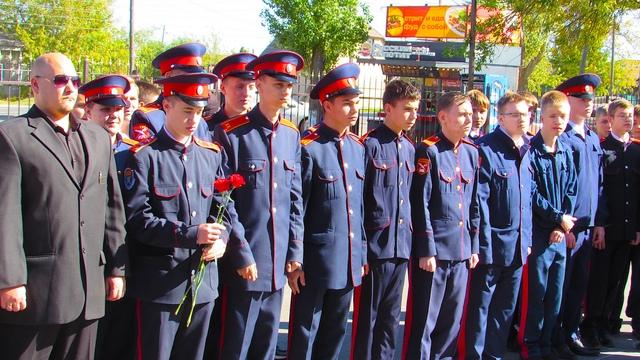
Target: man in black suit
61,223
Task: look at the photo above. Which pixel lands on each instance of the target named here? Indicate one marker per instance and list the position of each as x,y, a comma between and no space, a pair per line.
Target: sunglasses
62,80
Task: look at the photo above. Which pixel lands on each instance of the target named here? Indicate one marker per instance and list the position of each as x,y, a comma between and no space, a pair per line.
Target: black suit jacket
56,235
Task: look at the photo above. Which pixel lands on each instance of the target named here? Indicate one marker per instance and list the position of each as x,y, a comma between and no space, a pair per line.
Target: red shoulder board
634,140
311,137
206,144
150,107
366,135
129,141
356,138
234,123
313,128
288,123
467,141
432,140
142,143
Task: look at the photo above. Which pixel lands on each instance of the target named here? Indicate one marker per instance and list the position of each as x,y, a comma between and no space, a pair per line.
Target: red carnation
223,185
236,181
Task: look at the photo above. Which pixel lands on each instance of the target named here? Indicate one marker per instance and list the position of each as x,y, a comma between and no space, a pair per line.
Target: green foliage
78,29
321,31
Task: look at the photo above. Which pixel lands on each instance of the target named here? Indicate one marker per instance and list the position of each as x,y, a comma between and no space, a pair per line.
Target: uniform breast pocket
167,197
328,182
466,177
446,182
289,171
385,172
253,172
206,192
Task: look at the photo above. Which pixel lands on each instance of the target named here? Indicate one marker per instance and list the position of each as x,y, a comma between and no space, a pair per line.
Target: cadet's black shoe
578,348
604,338
280,353
562,352
614,326
590,338
636,333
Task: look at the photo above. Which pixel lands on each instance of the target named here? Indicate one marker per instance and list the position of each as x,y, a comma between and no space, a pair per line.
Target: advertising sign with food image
441,22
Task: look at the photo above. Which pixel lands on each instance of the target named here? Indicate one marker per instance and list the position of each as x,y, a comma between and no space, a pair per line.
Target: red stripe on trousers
356,314
524,304
408,317
462,335
292,310
223,317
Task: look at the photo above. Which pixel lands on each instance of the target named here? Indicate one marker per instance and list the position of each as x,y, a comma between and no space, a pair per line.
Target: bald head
51,64
54,100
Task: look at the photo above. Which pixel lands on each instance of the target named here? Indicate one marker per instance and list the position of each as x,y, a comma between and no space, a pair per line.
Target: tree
77,29
320,30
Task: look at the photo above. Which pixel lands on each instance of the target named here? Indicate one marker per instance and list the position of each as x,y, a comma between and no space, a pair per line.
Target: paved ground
624,343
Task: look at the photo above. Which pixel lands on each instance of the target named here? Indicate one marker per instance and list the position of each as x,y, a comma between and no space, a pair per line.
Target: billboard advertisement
438,22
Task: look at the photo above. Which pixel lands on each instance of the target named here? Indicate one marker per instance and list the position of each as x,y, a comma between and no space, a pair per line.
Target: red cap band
102,91
168,64
186,89
335,87
232,68
578,89
279,67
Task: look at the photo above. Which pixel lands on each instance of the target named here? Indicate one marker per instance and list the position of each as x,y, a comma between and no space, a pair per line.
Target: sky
237,23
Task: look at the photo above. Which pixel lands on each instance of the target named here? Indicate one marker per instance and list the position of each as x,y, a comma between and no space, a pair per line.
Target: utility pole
132,51
472,46
613,50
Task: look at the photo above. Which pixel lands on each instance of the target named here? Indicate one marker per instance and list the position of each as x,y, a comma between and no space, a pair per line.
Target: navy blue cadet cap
106,90
193,89
235,65
339,81
282,65
187,57
581,86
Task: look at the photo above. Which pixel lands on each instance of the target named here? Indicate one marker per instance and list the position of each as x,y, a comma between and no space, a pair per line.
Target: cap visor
241,74
111,101
583,96
281,77
198,102
189,69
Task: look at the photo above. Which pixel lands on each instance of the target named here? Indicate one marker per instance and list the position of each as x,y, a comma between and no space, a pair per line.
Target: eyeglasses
517,114
62,80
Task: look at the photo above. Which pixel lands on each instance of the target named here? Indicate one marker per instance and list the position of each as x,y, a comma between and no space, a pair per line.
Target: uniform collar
390,133
508,137
581,130
168,139
328,132
256,117
537,142
624,139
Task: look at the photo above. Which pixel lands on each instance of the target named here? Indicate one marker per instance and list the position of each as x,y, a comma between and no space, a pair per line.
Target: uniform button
331,177
189,184
351,235
458,187
626,220
401,201
457,169
273,210
401,164
627,185
84,251
401,182
399,146
400,221
384,166
627,203
350,211
275,160
193,272
346,166
626,166
350,188
252,166
460,223
274,135
275,185
81,196
459,205
455,151
504,174
184,157
193,213
81,222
